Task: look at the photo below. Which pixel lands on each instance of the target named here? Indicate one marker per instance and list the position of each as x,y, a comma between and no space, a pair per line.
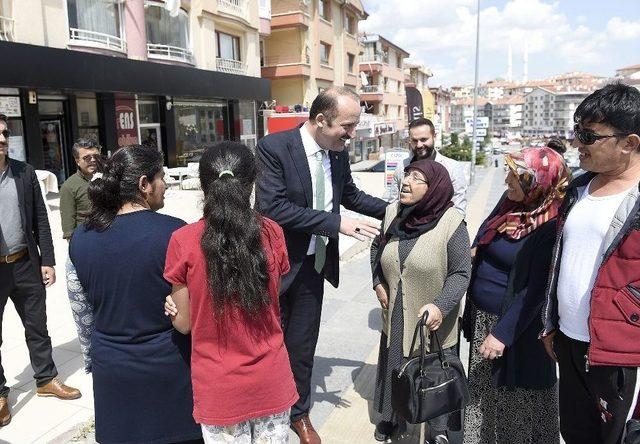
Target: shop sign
126,122
380,129
10,106
392,161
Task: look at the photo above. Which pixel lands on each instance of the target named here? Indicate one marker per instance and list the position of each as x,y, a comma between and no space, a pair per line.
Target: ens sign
126,122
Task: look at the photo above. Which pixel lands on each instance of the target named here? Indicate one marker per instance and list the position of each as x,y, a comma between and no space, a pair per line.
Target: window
350,24
324,9
228,46
88,126
325,52
96,22
351,61
162,29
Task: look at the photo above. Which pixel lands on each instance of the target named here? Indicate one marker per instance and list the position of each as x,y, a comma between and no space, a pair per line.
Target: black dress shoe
384,430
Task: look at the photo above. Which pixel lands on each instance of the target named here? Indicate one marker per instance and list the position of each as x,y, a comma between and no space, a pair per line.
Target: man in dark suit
26,268
305,177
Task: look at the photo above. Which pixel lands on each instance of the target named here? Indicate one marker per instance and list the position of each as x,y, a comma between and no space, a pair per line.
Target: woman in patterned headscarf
511,379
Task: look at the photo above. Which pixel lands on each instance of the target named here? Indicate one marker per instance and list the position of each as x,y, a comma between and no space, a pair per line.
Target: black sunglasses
588,137
90,157
6,133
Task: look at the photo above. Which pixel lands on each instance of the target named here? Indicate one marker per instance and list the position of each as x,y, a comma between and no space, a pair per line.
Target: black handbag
428,385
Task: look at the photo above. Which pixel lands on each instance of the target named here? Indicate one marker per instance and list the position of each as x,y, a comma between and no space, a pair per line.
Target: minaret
510,64
525,71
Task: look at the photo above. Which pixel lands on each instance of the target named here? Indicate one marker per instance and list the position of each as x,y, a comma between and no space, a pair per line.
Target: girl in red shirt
225,270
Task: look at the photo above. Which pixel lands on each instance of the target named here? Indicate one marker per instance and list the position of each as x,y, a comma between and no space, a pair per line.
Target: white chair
168,179
193,169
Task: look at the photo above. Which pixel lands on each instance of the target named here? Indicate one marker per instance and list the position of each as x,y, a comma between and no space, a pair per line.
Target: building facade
382,95
550,112
313,45
507,117
129,71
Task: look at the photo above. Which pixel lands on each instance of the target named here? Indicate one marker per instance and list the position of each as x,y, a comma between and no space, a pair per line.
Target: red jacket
614,320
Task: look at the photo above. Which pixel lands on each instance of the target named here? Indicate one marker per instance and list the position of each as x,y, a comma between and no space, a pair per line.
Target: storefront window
246,124
198,124
87,118
10,107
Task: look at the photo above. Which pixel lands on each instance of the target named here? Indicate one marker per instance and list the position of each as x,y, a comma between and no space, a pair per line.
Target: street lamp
474,138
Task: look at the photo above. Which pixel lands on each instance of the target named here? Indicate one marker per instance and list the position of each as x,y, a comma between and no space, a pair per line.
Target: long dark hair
119,183
236,263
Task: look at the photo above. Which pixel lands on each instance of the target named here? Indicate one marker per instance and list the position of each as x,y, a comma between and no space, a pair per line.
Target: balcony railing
371,89
168,52
96,39
373,58
231,66
234,7
6,29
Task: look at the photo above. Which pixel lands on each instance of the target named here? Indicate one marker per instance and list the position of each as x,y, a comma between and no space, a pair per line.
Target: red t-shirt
239,367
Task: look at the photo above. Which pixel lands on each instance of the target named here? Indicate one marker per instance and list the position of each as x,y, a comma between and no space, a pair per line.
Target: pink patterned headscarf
543,176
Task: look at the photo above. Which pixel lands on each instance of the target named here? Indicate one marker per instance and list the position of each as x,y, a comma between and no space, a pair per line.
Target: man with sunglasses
592,315
74,198
26,269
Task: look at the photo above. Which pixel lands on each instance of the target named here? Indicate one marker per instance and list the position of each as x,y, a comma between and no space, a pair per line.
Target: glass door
53,147
150,136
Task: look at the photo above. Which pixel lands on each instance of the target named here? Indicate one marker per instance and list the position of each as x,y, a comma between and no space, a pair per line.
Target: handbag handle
419,330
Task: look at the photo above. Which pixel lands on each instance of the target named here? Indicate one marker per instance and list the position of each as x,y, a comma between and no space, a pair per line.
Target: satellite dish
363,79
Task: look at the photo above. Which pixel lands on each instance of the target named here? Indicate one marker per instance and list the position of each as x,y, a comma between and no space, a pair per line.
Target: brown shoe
59,390
305,431
5,413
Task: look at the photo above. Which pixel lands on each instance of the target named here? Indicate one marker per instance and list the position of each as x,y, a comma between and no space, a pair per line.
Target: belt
14,257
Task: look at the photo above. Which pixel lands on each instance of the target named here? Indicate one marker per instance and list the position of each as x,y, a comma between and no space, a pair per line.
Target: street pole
474,138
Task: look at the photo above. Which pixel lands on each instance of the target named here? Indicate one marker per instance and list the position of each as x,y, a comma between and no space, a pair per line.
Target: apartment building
506,114
173,75
550,112
462,109
382,95
313,45
442,115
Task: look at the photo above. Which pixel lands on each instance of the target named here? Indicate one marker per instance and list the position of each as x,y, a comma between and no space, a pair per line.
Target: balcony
94,39
170,53
231,66
291,19
234,7
6,29
371,93
286,66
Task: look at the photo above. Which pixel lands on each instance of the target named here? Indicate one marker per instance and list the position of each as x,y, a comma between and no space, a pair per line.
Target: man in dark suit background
26,268
305,177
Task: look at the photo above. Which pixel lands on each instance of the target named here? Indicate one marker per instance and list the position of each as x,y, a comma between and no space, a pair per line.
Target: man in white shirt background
592,314
421,143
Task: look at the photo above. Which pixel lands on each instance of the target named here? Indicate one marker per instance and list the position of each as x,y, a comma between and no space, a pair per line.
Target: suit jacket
33,212
284,194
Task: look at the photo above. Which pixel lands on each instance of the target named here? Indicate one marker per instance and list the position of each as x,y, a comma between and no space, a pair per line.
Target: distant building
550,112
628,71
383,97
507,116
462,109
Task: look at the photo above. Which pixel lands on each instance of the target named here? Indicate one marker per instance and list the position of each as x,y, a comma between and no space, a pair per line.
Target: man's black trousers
594,404
300,308
20,283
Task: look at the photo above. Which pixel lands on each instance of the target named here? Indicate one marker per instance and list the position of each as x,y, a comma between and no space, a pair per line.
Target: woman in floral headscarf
511,379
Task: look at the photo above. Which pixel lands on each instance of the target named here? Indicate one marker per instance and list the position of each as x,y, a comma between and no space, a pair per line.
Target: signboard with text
392,161
126,122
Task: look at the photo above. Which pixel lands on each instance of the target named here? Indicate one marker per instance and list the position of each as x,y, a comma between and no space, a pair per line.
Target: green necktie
321,243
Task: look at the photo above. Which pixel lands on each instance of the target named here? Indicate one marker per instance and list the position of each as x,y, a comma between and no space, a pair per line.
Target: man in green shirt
74,199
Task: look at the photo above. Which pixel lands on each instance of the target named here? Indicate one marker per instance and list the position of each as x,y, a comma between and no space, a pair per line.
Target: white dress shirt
311,147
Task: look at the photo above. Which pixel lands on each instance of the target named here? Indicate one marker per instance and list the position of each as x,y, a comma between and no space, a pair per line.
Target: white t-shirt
582,253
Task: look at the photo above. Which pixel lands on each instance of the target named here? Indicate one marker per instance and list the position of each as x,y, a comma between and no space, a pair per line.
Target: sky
594,36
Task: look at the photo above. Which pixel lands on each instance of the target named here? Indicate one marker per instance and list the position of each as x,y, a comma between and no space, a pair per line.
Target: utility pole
474,138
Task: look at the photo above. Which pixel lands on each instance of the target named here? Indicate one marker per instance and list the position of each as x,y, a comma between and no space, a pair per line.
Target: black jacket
33,212
525,363
284,194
